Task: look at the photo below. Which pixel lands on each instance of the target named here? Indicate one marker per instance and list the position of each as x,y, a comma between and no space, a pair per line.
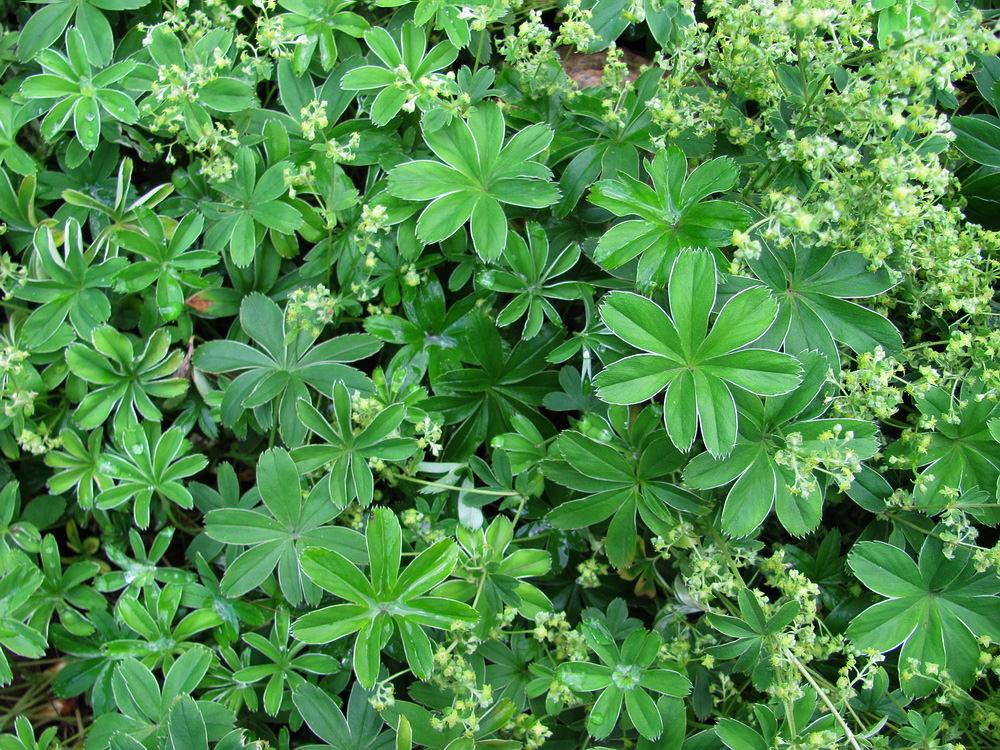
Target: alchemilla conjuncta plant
497,375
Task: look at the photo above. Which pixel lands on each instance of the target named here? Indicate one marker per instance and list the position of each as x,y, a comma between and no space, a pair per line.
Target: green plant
252,202
624,677
281,373
674,214
936,608
126,381
385,601
17,584
82,95
148,463
406,78
169,263
278,537
491,375
147,707
347,451
786,455
70,288
480,171
698,368
532,268
618,485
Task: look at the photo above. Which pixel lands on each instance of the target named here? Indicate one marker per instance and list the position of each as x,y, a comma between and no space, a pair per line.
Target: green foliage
673,214
82,97
781,450
346,451
252,202
70,288
148,464
620,479
478,174
754,632
699,368
936,608
499,376
169,263
406,72
126,381
624,676
17,584
532,267
280,373
278,537
814,289
385,601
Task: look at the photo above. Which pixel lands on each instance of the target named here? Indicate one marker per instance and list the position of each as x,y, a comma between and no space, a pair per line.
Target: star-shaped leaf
698,367
936,608
673,213
283,370
277,534
478,173
347,451
384,600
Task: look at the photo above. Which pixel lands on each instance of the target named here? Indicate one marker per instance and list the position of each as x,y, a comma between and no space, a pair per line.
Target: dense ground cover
404,373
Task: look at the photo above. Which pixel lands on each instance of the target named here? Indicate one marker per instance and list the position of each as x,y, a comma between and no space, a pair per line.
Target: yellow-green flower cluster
554,628
528,730
311,308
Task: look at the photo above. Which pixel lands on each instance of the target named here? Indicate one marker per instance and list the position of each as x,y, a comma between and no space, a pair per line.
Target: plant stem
475,490
825,698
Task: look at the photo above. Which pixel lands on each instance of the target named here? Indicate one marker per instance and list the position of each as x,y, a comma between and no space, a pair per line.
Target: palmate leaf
147,464
936,608
400,63
126,381
624,677
754,643
70,288
620,483
383,601
608,147
698,367
962,454
46,26
170,264
814,289
530,279
759,482
478,173
277,535
483,398
673,213
506,570
283,370
281,663
429,332
254,207
317,23
16,585
78,466
145,708
80,91
346,452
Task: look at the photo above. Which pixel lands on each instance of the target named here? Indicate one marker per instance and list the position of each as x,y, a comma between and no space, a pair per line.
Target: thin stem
475,490
274,428
899,519
825,698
